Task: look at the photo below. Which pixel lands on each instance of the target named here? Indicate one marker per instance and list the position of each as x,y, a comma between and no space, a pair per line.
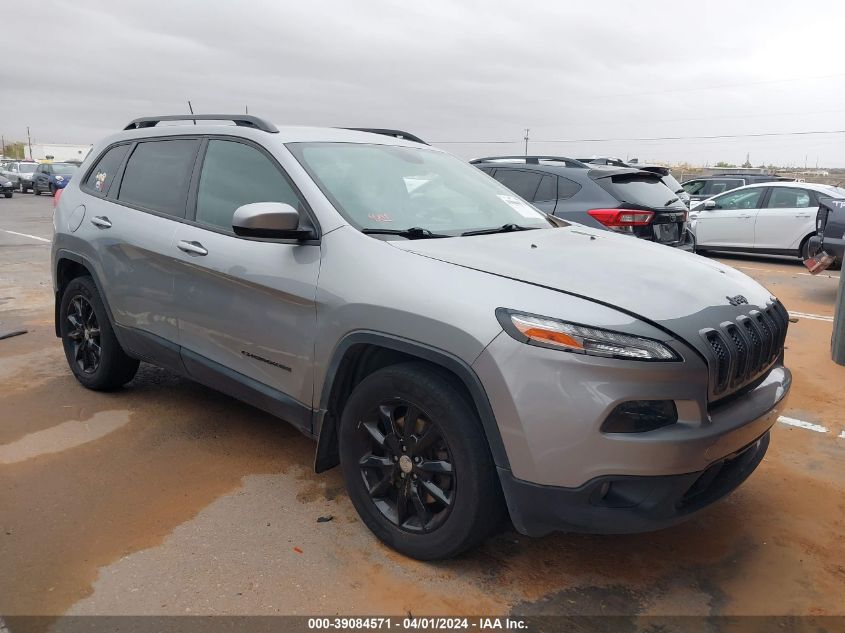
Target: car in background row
50,177
20,173
826,249
619,199
702,188
664,172
773,218
6,187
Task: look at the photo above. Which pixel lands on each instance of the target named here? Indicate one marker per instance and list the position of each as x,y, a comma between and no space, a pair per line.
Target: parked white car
774,218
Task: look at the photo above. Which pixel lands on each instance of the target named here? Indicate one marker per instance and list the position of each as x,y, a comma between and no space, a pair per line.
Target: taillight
617,218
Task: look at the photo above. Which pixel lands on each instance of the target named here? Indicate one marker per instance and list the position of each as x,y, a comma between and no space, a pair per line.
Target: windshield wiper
413,233
505,228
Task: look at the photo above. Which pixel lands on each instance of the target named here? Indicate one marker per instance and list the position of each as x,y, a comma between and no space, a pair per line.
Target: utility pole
29,142
3,139
526,140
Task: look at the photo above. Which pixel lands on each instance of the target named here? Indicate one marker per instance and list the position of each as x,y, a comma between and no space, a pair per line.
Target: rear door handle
101,221
192,248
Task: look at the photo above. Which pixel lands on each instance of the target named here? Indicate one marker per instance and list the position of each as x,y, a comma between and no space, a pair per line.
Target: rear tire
35,189
93,352
8,195
429,491
53,190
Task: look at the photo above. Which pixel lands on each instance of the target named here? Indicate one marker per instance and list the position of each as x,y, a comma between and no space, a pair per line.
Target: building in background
59,152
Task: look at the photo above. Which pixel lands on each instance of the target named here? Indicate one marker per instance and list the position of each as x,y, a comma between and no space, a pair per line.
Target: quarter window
235,174
102,175
789,198
158,174
566,188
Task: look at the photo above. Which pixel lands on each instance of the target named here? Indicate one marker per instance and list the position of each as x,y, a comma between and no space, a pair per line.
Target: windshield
27,168
674,185
64,169
385,187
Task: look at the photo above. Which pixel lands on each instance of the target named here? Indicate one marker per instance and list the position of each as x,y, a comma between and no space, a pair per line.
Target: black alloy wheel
406,466
84,335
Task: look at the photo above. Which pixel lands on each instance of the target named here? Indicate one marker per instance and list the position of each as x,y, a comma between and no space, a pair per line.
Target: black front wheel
93,352
35,189
417,464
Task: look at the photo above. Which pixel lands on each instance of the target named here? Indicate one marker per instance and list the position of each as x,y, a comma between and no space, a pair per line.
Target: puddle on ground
62,437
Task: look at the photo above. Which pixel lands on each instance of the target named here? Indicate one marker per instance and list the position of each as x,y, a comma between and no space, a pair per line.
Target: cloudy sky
455,72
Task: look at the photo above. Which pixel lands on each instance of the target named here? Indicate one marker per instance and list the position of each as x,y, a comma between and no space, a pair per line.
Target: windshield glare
395,188
27,168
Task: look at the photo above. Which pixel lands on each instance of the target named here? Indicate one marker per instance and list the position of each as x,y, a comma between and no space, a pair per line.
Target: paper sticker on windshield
521,207
380,217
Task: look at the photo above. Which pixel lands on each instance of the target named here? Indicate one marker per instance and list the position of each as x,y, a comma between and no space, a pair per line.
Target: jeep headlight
581,339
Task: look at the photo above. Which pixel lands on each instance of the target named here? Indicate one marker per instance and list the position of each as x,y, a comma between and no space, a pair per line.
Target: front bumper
625,505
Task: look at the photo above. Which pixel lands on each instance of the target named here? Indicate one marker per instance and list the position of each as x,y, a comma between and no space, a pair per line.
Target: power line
653,138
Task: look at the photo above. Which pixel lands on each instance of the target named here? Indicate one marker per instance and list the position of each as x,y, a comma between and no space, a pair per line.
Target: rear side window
647,191
566,188
694,187
522,183
789,198
102,175
547,190
158,174
722,184
234,174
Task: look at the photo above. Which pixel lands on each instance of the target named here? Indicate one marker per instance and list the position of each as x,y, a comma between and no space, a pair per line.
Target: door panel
731,222
787,218
250,306
136,263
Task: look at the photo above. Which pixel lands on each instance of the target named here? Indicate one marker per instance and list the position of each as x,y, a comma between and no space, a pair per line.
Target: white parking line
32,237
813,317
818,428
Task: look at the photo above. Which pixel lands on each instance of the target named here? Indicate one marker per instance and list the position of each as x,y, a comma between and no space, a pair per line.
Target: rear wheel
52,190
21,188
417,464
93,352
8,194
35,189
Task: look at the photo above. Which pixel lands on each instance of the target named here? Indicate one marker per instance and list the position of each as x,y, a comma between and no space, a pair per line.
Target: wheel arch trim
325,426
87,265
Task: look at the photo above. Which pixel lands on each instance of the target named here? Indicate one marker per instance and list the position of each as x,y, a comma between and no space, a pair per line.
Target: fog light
639,416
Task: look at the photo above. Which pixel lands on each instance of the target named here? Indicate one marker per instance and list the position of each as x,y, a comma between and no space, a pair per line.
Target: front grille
742,350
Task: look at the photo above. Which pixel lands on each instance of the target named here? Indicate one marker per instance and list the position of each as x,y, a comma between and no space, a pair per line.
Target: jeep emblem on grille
737,300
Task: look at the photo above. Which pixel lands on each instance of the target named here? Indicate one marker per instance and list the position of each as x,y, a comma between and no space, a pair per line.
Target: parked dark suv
830,235
664,172
702,188
620,199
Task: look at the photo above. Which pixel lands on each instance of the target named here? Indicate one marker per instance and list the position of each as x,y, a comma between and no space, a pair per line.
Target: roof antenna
191,108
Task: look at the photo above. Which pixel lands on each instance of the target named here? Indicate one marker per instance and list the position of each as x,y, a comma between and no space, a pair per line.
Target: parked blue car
52,177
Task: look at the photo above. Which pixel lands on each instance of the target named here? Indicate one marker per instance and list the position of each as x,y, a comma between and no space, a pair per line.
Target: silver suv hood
679,291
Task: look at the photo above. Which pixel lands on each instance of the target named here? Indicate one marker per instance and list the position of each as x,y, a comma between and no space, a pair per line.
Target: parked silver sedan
20,174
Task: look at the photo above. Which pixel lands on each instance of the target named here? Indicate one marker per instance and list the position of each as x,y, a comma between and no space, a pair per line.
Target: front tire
93,352
8,195
417,464
35,189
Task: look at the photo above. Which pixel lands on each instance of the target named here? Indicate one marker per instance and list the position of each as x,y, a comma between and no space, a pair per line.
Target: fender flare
325,426
84,262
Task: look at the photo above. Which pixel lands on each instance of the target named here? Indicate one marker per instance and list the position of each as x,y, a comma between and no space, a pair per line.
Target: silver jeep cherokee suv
457,352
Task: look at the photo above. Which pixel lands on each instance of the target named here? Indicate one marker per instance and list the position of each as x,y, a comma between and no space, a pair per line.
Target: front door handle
101,222
192,248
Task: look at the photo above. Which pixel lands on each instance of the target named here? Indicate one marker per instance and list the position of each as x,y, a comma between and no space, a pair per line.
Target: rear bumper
627,504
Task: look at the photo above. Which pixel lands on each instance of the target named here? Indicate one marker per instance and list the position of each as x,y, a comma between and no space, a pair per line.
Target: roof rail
407,136
534,160
243,120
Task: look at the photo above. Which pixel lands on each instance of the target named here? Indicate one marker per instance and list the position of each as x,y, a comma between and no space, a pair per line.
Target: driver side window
744,199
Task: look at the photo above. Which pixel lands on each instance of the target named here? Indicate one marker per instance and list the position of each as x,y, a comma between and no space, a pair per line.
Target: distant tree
722,163
15,150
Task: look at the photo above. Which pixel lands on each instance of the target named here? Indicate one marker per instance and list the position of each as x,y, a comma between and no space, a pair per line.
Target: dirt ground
169,498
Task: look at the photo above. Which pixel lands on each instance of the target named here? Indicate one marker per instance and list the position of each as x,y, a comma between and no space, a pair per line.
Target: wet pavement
168,498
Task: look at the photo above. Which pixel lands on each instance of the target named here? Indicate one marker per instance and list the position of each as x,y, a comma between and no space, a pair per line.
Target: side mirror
709,204
268,219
